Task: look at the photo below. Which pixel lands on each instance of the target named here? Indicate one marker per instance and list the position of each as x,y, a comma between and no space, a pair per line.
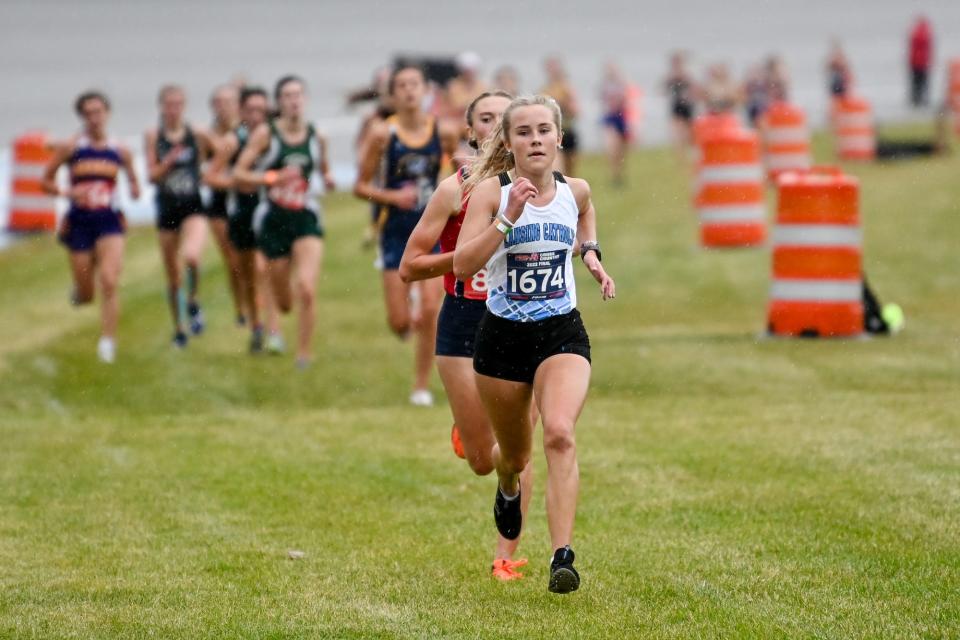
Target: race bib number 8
291,195
476,287
536,276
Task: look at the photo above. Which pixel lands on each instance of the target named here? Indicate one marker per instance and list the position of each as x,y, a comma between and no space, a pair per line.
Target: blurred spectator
755,93
614,93
466,86
507,79
720,93
682,90
559,88
921,58
775,76
839,75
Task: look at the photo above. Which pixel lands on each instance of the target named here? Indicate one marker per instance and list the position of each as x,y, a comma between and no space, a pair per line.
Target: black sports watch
590,246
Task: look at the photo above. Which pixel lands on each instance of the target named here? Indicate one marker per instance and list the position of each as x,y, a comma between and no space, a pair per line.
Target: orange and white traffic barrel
30,208
712,123
786,139
729,195
953,92
817,283
853,129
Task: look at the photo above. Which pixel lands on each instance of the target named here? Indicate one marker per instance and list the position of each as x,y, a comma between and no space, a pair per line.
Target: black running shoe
506,513
563,577
256,340
197,323
180,340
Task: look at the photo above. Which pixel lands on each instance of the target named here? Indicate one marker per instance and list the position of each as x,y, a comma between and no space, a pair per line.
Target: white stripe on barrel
40,204
857,143
854,120
817,235
729,214
789,290
730,174
31,171
787,135
788,160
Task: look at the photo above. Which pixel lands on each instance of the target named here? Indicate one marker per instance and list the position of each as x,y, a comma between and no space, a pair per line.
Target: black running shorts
512,350
457,326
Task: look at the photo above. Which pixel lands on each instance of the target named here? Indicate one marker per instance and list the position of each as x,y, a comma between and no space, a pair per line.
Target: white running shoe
421,398
275,344
107,350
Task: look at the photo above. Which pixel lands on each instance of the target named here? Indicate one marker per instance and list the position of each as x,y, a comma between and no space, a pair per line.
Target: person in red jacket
921,57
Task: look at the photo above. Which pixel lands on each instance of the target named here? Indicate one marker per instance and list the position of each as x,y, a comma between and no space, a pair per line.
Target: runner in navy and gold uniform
241,202
93,227
225,105
407,149
174,152
288,152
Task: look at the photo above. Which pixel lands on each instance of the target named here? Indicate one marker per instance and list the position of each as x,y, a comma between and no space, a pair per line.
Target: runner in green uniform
287,222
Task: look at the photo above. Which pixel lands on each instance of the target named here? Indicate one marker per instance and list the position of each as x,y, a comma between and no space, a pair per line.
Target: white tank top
530,276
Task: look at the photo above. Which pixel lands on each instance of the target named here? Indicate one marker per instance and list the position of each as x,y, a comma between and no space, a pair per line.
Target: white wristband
502,218
504,229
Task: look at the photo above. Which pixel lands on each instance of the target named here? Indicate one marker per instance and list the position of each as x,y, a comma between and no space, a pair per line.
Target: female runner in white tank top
463,308
523,224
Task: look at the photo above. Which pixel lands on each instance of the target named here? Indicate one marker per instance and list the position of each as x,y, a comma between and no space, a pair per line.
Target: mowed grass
732,485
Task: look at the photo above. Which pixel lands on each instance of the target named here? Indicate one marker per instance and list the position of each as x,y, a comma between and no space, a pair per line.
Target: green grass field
732,485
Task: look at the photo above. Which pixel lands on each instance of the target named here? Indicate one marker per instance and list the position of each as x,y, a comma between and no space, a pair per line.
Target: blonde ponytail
494,158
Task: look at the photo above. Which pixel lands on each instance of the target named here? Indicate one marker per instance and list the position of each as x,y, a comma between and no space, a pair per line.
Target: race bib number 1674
536,276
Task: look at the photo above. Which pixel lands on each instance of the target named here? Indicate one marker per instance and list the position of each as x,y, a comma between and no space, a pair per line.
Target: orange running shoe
455,441
505,569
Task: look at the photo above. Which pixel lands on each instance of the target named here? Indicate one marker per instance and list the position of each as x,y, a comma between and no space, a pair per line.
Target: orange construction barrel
853,129
786,139
817,282
729,195
30,208
710,123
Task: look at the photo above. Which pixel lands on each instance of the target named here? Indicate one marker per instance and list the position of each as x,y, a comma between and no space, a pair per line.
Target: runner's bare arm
133,182
587,232
324,164
157,168
371,153
243,171
60,155
479,237
217,173
419,262
206,146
